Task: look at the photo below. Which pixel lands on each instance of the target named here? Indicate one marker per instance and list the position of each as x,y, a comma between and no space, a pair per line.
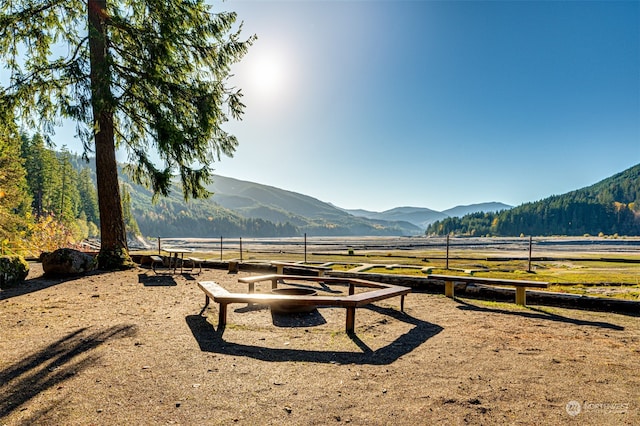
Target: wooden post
351,320
220,248
159,246
447,264
305,247
222,315
521,296
240,249
529,267
448,288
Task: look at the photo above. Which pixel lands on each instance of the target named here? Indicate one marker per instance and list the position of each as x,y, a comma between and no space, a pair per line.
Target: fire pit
292,307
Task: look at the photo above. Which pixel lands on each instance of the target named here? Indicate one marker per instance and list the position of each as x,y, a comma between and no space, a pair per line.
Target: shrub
13,270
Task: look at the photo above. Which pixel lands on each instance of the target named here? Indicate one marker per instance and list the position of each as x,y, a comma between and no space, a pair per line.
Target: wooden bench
318,270
154,260
196,261
520,285
383,291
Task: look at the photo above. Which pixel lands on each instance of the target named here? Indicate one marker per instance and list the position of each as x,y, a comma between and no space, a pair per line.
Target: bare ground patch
131,348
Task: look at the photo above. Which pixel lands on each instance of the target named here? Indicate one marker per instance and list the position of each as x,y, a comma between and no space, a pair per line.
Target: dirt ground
131,348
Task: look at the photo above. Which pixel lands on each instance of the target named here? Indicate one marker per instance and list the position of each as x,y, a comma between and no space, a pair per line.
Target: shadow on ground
157,280
51,366
43,282
210,340
293,320
537,313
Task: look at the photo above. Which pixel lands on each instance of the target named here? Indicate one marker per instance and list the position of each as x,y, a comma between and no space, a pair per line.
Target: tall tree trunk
114,253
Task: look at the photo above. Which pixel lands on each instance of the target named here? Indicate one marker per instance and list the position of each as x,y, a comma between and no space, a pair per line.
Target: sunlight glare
267,76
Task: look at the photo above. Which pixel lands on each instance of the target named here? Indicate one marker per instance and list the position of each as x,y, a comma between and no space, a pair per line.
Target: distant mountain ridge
423,217
609,207
255,200
242,208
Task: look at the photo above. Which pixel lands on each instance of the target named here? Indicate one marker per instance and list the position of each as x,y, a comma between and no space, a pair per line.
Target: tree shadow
52,365
211,340
538,314
157,280
42,282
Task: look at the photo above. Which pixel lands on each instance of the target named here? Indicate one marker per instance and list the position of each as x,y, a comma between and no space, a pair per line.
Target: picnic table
173,257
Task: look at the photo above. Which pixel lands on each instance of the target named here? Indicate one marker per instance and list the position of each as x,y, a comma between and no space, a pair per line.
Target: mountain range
242,208
608,207
423,217
254,200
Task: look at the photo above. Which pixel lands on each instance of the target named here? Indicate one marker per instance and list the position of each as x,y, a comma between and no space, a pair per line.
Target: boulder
67,261
13,270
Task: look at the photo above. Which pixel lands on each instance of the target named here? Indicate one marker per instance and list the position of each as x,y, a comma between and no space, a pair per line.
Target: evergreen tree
130,222
88,196
42,174
67,196
14,197
149,75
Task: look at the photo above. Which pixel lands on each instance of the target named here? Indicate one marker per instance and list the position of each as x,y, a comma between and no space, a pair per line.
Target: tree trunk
114,253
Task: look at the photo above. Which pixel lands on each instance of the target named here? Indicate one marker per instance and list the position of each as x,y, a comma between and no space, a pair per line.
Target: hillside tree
15,201
88,196
148,76
42,174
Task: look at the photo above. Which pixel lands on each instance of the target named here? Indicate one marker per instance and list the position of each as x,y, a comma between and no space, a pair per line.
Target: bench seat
520,285
223,297
319,270
154,260
196,261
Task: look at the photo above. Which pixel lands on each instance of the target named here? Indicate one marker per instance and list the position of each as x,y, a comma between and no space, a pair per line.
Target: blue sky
380,104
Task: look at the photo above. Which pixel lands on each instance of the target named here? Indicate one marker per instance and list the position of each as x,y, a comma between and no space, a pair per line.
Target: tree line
48,202
609,207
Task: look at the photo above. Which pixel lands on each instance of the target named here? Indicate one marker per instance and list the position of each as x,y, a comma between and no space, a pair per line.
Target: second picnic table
173,257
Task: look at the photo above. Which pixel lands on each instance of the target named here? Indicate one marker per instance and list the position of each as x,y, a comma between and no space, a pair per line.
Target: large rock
13,270
67,261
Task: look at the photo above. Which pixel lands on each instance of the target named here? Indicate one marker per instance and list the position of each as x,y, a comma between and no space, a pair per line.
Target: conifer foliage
15,201
609,207
149,76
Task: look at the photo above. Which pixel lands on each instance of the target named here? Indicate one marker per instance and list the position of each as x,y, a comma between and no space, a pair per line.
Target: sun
266,75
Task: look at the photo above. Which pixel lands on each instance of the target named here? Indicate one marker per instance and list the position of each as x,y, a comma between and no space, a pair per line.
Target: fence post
240,249
159,246
220,248
447,264
305,247
530,243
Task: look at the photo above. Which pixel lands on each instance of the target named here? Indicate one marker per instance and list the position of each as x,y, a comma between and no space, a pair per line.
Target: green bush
13,270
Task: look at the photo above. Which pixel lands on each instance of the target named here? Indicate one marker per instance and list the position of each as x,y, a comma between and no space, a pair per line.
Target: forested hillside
609,207
238,208
47,198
